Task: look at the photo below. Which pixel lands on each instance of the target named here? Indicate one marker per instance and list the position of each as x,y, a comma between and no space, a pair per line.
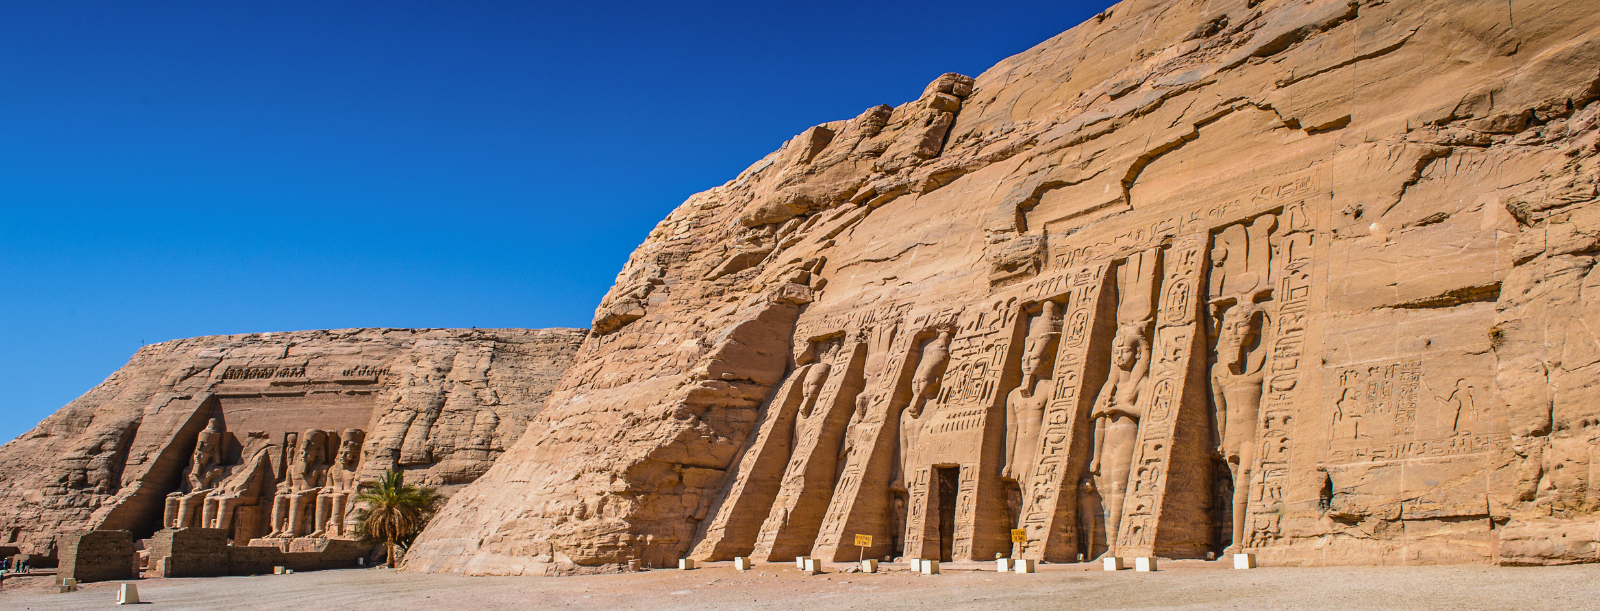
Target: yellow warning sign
1019,535
863,540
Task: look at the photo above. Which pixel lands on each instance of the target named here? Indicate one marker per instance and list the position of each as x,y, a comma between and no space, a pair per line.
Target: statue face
1034,356
1238,328
1126,351
349,450
315,447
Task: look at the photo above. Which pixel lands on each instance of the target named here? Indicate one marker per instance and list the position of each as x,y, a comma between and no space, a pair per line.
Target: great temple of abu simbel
1307,279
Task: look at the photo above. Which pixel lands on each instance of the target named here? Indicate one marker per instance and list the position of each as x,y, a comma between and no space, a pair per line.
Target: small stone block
1244,561
277,570
128,594
930,567
1144,565
800,561
870,565
813,566
1112,563
1023,565
741,563
1002,565
686,564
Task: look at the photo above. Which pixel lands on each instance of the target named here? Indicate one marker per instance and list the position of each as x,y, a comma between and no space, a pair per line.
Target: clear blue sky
174,169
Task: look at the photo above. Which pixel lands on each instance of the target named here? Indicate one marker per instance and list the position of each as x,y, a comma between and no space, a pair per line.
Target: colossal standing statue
1026,403
1116,423
1240,280
924,388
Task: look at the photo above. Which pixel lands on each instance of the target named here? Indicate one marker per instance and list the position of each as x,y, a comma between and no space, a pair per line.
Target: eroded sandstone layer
268,434
1308,278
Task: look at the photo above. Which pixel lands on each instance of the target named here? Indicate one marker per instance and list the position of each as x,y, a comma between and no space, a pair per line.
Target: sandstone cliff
439,404
1310,278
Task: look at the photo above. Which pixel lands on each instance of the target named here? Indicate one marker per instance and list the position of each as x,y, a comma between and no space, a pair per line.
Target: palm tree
393,511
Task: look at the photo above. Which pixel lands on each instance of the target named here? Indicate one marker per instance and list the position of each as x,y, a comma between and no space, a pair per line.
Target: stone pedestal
1144,564
1111,563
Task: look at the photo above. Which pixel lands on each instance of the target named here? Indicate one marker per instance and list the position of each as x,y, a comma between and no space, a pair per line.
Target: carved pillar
1293,265
1049,496
756,478
796,516
1166,510
861,503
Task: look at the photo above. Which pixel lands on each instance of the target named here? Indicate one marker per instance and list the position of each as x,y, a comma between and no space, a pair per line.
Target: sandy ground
1178,585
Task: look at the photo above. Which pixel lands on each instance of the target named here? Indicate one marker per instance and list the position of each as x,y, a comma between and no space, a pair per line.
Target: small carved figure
1088,515
1116,422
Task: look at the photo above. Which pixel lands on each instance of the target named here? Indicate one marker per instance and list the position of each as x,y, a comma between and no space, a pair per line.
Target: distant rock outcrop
211,431
1307,278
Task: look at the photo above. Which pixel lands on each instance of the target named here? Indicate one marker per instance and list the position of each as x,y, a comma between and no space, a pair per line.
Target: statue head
1238,328
812,386
1128,346
313,448
350,448
208,446
1086,485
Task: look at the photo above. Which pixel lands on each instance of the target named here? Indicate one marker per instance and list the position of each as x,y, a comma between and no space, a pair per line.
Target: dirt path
1186,585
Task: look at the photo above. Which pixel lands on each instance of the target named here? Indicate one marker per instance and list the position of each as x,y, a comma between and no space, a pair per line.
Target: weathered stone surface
217,432
1309,279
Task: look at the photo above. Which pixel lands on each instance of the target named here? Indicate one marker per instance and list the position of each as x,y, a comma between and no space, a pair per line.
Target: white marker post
1023,565
1144,564
741,563
128,594
1244,561
1112,563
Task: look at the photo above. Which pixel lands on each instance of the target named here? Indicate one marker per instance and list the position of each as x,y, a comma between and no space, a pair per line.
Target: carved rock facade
269,434
1308,278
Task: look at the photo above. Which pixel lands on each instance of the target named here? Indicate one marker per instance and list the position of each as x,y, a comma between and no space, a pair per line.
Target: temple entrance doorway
949,482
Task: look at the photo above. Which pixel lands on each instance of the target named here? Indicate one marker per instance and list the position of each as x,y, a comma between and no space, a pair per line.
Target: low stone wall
101,555
190,552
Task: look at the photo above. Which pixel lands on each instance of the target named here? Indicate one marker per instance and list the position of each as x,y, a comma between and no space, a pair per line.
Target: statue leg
1121,436
297,513
340,508
208,512
169,518
323,513
1241,492
280,511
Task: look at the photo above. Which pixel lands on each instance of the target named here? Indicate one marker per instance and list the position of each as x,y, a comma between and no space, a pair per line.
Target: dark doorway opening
949,479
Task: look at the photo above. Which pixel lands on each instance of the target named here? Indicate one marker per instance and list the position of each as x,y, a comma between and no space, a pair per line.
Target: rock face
257,433
1307,278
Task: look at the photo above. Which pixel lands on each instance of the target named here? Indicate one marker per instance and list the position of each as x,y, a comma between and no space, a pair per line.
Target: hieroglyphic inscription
966,511
917,518
1249,202
1172,355
1049,510
1288,336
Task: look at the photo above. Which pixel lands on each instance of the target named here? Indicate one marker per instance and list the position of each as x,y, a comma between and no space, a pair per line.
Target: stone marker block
869,565
633,566
128,594
1023,565
1244,561
741,563
1112,563
800,562
813,566
68,585
1144,565
277,570
1002,565
930,567
687,564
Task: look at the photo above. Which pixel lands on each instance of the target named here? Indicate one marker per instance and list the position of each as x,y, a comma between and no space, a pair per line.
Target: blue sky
174,169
